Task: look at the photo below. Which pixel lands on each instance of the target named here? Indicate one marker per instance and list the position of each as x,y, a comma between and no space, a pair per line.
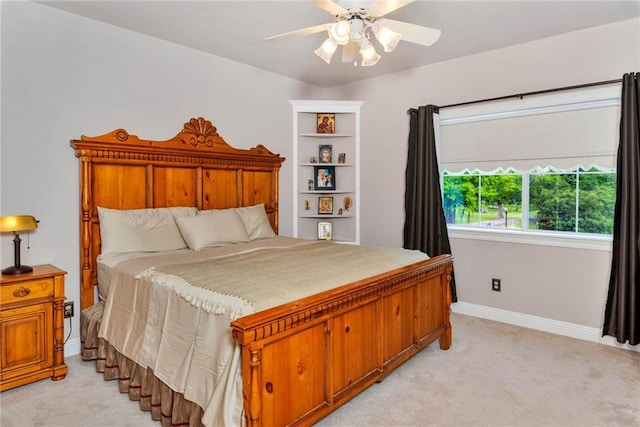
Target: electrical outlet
68,309
495,285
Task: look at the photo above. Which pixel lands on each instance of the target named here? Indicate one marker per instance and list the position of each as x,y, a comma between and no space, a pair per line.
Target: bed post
446,338
87,288
255,401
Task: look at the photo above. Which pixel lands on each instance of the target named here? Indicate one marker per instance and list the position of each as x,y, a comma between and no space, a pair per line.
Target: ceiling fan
352,28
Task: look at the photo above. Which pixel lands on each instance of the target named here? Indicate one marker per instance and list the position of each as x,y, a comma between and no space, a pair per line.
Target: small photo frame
325,177
325,153
325,123
325,205
324,230
347,203
342,157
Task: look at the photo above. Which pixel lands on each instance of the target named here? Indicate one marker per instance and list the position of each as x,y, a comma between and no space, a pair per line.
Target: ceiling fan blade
329,6
350,52
382,7
413,33
299,33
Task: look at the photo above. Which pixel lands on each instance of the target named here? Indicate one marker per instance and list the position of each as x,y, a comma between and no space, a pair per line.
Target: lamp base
17,269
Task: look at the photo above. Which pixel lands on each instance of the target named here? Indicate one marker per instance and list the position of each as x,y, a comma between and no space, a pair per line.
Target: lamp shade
17,223
339,32
326,50
388,38
369,55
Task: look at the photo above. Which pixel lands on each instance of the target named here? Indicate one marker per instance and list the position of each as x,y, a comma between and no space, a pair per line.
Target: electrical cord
70,330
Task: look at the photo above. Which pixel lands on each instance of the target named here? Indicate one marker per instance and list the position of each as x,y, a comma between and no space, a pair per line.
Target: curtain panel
622,312
425,227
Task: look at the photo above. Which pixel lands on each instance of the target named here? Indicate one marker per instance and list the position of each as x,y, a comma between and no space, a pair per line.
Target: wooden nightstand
31,327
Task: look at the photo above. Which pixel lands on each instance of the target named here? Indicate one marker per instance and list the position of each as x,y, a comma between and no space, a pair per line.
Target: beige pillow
256,222
210,228
141,230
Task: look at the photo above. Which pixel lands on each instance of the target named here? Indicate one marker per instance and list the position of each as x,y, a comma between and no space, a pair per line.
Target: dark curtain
622,312
425,227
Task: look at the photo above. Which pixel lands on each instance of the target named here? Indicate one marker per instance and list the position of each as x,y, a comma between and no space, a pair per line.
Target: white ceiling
236,29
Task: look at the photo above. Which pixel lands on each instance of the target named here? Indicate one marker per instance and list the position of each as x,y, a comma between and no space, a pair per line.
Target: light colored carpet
493,375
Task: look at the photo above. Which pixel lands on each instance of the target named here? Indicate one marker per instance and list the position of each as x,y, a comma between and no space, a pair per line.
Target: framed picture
342,157
325,205
325,123
324,231
325,177
347,203
325,153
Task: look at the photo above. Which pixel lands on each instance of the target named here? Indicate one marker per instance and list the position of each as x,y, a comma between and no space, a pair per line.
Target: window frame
562,101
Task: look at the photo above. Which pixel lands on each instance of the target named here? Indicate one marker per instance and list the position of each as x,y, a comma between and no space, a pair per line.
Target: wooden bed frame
301,360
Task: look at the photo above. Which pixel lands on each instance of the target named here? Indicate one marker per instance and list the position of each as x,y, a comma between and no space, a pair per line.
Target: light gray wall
64,76
555,283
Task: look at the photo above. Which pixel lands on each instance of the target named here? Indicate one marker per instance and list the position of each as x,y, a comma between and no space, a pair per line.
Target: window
547,165
581,200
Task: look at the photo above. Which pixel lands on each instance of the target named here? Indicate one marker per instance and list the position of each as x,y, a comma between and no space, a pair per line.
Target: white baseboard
539,323
72,347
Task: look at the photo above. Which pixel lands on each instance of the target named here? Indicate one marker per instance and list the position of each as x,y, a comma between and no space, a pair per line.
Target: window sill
564,240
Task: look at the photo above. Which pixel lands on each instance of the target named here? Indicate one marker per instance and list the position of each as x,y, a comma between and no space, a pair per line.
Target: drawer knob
22,292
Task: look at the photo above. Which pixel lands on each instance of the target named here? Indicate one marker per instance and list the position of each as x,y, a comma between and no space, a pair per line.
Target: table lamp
15,224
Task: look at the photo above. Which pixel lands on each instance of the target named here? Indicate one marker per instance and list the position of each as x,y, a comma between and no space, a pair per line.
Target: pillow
212,228
256,222
141,230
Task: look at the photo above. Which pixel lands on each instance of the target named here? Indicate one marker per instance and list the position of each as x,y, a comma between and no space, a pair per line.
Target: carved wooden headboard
194,168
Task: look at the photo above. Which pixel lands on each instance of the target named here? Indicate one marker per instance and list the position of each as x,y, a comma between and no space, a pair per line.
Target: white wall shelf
306,142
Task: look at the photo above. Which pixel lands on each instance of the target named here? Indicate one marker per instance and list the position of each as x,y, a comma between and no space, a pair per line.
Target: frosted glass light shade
339,32
369,55
326,50
388,38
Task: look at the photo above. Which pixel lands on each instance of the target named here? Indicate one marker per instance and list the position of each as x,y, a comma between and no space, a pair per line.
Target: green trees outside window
580,200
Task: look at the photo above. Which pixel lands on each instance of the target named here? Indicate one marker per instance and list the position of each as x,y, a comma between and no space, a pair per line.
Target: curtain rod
522,95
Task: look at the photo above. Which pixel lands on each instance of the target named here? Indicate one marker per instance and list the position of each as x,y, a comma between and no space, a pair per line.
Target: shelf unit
306,143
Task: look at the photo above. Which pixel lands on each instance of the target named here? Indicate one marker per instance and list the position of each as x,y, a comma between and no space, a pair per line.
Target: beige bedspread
172,312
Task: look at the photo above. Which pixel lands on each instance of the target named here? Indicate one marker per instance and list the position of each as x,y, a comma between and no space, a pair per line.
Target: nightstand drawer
26,291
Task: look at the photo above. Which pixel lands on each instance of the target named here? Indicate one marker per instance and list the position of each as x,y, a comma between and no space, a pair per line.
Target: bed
298,358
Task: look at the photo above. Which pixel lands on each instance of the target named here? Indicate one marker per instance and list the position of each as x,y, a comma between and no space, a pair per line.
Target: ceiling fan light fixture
357,30
326,50
369,55
340,32
389,39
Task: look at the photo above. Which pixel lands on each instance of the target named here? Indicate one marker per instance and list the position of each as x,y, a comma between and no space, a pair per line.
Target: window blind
549,132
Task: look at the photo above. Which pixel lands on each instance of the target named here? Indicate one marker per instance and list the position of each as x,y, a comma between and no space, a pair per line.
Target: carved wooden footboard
304,360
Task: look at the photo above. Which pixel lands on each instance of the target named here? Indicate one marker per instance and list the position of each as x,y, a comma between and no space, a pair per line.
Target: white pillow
256,222
141,230
212,228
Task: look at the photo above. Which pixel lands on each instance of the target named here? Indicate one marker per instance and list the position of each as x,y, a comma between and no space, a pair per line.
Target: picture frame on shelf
325,205
324,230
325,153
347,203
325,177
325,123
342,157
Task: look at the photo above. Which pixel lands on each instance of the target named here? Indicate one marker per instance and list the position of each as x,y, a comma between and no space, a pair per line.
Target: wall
64,76
540,283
